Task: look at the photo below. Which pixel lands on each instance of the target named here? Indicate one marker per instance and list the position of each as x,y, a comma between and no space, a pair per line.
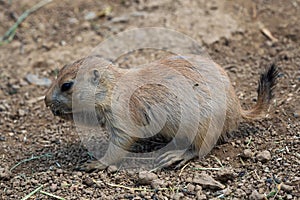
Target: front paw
92,166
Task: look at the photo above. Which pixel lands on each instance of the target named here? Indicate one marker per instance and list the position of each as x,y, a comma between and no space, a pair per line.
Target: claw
169,158
92,166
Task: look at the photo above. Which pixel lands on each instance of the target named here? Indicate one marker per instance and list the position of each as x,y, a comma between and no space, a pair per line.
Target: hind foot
180,157
91,166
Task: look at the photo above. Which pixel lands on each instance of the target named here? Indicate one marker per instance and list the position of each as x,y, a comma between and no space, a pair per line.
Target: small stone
198,188
2,138
63,43
79,39
207,181
53,187
289,196
157,183
5,174
247,153
225,174
256,196
112,169
200,196
178,196
59,171
73,20
11,134
286,188
90,15
146,177
240,192
88,192
190,187
88,181
122,19
79,174
21,112
86,25
263,156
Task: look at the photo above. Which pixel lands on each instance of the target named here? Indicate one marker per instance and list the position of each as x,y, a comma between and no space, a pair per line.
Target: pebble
21,112
256,196
59,171
5,174
2,138
146,177
34,79
190,187
225,174
112,169
178,196
198,188
263,156
90,15
157,183
289,196
286,188
207,181
88,181
122,19
200,196
73,20
247,153
53,187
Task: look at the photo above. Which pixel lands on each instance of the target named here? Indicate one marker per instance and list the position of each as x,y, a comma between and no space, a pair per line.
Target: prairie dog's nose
47,100
48,97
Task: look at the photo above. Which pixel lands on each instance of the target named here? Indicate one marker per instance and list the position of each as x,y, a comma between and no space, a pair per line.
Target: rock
88,181
200,196
122,19
2,138
263,156
59,171
198,188
34,79
157,183
5,174
145,177
247,153
256,196
178,196
289,196
190,187
240,192
53,187
207,181
73,20
112,169
225,174
90,15
21,112
286,188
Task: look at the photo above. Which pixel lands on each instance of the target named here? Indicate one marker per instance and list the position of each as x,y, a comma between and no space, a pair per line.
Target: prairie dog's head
82,82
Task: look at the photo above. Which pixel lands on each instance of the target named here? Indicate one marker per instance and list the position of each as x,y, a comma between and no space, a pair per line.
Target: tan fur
203,74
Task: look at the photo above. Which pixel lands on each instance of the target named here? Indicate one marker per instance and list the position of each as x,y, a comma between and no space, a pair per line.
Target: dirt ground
261,160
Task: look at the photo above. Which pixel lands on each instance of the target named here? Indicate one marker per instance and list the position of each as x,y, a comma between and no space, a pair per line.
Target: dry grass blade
29,159
32,193
208,168
9,35
52,195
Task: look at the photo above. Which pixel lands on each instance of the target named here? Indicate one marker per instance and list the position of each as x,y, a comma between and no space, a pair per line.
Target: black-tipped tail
265,92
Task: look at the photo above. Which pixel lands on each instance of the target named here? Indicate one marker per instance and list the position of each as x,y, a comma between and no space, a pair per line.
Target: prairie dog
204,89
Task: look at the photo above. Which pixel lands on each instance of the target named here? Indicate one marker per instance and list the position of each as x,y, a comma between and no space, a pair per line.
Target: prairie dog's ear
95,77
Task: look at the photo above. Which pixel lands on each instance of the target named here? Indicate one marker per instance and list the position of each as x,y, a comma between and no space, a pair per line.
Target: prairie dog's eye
66,86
